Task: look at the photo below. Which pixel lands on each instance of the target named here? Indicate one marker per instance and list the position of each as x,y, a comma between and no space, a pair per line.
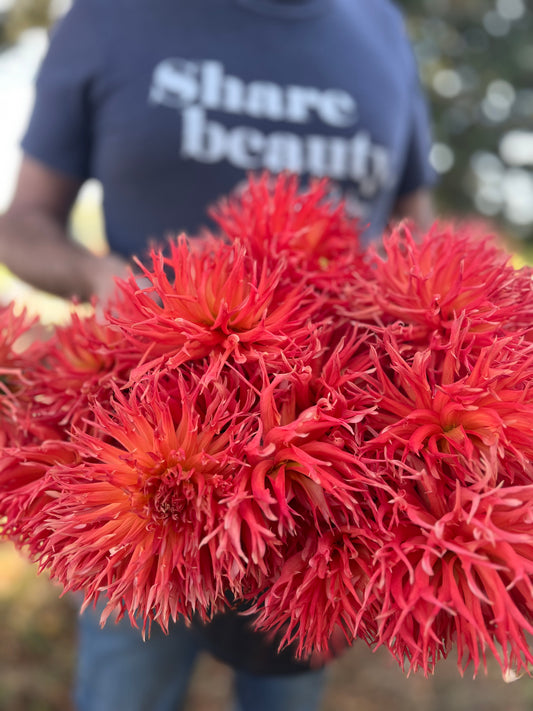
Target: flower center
170,494
172,499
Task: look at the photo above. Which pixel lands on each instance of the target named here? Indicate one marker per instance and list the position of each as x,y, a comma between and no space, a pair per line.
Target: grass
37,650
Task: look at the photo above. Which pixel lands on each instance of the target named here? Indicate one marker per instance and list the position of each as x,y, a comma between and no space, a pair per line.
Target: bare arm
416,206
34,240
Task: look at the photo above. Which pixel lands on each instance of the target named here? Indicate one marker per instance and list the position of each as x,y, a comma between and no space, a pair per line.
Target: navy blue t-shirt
170,102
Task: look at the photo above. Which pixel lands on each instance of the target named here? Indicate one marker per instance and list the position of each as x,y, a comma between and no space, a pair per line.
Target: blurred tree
24,14
476,63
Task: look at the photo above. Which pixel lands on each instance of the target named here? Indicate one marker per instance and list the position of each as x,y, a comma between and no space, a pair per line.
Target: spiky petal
216,300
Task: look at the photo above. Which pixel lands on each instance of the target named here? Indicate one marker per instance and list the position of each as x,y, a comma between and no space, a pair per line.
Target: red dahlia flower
18,351
463,578
82,361
27,485
15,340
276,220
142,516
307,442
473,427
451,272
304,470
319,592
218,300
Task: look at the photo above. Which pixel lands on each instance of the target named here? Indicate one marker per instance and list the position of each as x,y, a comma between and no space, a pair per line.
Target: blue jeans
117,671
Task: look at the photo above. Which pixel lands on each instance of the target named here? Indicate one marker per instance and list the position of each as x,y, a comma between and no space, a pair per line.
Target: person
169,104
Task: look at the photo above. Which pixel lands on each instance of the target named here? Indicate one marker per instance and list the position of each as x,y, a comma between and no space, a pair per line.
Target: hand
337,644
107,269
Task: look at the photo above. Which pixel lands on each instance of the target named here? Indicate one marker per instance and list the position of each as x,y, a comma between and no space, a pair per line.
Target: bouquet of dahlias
340,440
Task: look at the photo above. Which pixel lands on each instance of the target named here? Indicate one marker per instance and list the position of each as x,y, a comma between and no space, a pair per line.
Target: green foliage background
21,15
476,64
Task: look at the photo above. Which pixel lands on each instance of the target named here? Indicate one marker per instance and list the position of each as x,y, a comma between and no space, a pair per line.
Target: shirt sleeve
417,172
59,130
